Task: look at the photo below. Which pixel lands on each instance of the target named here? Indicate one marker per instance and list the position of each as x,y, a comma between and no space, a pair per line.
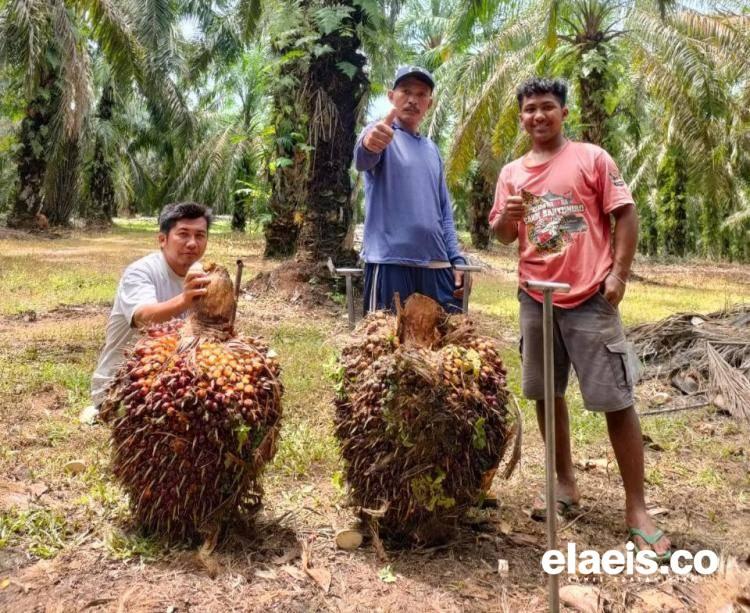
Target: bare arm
506,232
157,313
505,225
625,244
194,286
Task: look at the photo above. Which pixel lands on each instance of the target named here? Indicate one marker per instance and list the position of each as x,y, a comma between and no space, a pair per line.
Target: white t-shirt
149,280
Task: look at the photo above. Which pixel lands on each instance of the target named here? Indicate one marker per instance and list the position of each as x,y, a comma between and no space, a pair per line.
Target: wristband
618,278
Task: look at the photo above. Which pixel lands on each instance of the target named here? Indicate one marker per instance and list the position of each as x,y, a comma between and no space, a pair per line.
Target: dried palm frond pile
701,354
195,412
421,416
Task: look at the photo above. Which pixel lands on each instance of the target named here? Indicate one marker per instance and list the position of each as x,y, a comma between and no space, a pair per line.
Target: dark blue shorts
382,281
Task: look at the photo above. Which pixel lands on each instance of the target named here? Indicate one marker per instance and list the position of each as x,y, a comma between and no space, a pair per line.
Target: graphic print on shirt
616,179
551,221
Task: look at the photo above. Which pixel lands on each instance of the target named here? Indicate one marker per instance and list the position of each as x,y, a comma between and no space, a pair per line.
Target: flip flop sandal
651,539
565,508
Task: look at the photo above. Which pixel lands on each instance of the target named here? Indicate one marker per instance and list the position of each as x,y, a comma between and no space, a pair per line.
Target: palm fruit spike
421,416
195,412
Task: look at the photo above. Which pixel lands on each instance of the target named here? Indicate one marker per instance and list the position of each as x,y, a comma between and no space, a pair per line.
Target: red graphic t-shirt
565,235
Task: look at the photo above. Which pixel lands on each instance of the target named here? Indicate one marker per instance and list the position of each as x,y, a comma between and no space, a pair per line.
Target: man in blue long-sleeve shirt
410,242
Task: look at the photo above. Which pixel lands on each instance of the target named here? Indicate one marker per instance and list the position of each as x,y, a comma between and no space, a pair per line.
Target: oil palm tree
229,150
46,47
336,87
694,67
319,100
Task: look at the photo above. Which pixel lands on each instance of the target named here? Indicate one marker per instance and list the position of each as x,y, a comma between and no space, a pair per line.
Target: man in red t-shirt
558,201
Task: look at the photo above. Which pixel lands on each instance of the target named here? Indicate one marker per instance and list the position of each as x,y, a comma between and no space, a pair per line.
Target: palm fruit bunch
421,417
195,411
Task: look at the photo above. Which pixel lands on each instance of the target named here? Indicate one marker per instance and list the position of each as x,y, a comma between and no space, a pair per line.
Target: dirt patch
262,313
244,573
678,274
18,235
49,399
19,495
265,570
11,560
297,283
37,234
59,313
262,570
31,413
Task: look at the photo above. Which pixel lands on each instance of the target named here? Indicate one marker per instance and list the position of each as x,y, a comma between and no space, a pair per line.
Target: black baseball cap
413,71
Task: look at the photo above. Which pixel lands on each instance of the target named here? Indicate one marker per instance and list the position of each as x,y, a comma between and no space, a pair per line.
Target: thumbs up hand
381,134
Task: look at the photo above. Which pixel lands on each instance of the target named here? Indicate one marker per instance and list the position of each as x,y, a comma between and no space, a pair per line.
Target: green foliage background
208,102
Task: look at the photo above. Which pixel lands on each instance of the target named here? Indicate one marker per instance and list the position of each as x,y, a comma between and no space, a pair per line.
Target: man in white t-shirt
154,289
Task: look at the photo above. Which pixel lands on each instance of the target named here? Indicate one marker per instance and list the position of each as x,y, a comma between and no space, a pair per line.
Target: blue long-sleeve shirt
408,213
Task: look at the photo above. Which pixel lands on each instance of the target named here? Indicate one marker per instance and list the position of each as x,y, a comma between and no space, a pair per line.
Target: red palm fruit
421,417
173,409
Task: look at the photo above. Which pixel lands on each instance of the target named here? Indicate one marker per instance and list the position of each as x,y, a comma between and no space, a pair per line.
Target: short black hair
175,211
537,86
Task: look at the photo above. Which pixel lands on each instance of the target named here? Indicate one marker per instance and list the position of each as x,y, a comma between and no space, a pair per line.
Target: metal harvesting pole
547,289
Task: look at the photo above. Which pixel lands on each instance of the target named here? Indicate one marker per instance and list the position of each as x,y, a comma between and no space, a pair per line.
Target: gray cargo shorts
589,336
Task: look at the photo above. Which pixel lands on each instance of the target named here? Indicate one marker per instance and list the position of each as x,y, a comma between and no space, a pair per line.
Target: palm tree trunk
286,200
289,176
592,89
480,203
672,179
337,83
31,163
239,216
594,76
62,183
648,237
101,183
713,242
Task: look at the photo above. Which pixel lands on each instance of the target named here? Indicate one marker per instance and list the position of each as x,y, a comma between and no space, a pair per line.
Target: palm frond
638,163
211,169
741,217
483,90
478,67
114,33
249,14
467,16
686,59
489,103
25,34
221,45
154,22
75,73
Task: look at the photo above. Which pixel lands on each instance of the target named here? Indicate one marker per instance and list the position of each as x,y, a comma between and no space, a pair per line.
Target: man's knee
622,416
560,405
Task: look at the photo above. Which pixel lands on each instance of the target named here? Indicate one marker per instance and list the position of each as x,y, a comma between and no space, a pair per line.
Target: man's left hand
458,279
614,290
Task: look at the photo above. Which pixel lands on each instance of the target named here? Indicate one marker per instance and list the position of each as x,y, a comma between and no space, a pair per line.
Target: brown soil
63,312
295,282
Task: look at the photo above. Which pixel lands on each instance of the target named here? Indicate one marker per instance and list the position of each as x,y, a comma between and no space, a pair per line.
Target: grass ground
65,540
